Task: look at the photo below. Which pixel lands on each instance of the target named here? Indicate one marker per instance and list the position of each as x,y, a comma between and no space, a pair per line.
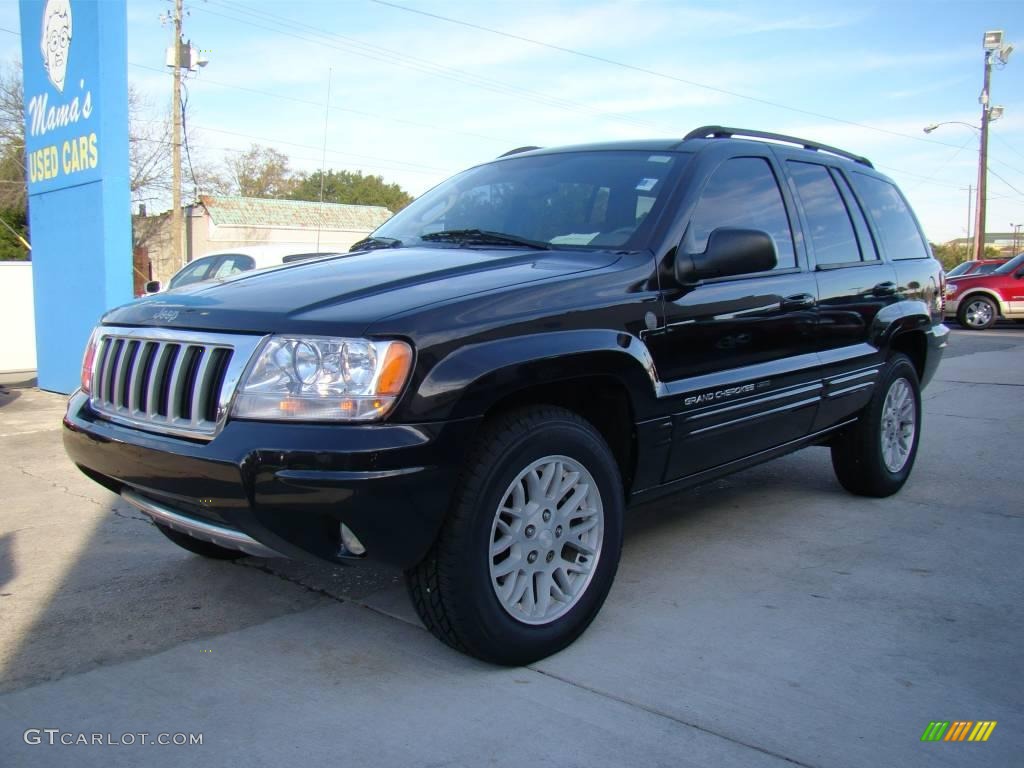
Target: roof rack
517,150
722,132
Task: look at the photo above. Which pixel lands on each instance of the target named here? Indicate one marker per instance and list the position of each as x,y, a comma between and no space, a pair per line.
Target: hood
971,278
343,295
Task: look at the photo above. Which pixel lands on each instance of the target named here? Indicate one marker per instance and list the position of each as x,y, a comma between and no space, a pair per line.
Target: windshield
590,200
959,269
196,271
1011,266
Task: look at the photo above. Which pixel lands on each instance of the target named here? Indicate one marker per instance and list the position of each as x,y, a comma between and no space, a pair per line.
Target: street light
997,112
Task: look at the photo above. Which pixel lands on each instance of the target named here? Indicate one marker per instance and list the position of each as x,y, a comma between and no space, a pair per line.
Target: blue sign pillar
74,58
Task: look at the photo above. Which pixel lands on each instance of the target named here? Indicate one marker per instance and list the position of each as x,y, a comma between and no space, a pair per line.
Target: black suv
482,387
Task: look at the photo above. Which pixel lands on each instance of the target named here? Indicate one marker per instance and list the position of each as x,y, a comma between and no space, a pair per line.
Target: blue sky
415,98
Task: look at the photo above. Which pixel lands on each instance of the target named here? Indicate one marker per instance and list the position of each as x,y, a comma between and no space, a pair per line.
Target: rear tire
977,313
530,548
874,456
198,546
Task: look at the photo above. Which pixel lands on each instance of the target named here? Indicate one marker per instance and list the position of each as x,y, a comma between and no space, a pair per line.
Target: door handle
798,301
888,288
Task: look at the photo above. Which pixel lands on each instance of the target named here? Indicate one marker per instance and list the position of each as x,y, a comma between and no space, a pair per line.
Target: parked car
223,264
978,301
975,267
548,339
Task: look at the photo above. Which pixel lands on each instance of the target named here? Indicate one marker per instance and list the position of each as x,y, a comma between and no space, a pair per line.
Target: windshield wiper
372,243
483,237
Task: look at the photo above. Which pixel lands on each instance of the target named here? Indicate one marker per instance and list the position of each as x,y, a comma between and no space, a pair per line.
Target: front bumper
287,487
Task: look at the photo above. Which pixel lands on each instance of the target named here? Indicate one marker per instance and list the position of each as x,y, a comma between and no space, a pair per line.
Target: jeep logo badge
166,315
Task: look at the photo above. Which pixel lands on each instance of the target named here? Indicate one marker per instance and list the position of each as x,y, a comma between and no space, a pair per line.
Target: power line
943,166
1009,146
373,52
1006,182
399,59
333,107
414,167
184,130
655,73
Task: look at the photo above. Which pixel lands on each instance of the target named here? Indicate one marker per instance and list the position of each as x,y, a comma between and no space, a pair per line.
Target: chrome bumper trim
199,529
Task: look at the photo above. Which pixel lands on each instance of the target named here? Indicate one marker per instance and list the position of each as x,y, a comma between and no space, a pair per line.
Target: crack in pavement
668,716
595,691
58,486
283,577
127,516
978,383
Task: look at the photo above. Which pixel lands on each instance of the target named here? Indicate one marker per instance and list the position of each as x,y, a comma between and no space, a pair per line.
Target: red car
977,301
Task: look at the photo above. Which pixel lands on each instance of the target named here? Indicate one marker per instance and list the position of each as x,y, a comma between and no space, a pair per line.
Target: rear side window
828,221
868,251
891,216
742,192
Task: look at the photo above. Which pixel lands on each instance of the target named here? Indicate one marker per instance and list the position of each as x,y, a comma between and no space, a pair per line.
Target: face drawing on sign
56,40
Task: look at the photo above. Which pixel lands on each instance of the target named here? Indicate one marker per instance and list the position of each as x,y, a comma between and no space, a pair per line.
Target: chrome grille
162,380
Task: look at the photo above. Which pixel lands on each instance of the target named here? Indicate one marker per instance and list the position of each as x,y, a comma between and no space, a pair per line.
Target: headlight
318,378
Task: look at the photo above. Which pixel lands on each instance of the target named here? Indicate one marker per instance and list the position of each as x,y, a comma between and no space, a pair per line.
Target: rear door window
891,216
828,221
743,192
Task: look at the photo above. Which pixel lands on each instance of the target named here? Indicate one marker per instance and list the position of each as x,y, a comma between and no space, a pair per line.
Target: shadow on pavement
8,396
7,566
126,592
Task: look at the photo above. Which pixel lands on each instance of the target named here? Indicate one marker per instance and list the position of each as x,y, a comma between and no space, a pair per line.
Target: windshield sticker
659,159
646,185
576,238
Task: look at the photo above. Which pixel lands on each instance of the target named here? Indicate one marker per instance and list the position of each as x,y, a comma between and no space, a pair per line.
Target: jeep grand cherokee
482,389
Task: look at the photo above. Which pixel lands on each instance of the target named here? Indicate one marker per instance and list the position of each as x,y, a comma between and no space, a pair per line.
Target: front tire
530,548
977,313
874,456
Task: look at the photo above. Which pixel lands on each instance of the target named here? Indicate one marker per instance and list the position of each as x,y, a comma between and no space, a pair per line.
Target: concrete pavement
766,619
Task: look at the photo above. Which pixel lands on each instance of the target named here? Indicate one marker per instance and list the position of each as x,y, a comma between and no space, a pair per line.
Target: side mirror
730,251
153,286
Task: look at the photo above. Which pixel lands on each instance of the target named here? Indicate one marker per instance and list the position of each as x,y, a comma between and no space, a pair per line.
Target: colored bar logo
958,730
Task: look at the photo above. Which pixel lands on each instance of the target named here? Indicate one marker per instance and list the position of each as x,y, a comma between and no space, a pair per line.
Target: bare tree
149,150
12,139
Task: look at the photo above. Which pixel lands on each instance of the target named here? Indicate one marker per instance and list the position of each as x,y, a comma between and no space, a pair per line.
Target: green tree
949,254
261,172
352,187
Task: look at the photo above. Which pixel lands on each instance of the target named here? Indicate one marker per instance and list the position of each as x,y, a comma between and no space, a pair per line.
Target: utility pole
993,45
970,200
176,223
979,224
